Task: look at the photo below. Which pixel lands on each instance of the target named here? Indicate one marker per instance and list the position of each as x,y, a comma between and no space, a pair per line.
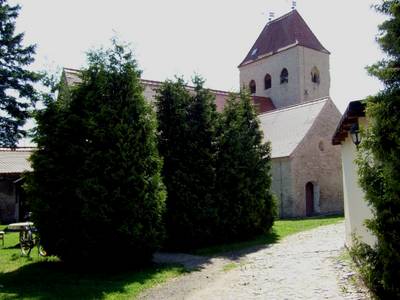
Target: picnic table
19,227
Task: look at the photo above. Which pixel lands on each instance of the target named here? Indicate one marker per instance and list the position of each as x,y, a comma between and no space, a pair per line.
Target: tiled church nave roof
286,128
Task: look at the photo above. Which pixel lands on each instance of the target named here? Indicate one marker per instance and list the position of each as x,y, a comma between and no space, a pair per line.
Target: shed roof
15,161
285,32
355,110
286,128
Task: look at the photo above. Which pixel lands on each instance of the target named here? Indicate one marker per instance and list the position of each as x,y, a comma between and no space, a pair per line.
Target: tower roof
282,33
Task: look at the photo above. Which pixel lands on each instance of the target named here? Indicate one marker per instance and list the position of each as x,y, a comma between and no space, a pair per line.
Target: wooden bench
2,233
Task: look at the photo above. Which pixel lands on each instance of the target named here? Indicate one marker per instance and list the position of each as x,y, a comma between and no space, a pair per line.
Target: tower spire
294,5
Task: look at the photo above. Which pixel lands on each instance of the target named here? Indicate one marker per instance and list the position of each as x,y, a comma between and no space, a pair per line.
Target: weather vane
293,5
271,16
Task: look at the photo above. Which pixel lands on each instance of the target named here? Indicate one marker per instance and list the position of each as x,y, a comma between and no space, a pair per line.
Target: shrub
379,162
96,189
365,258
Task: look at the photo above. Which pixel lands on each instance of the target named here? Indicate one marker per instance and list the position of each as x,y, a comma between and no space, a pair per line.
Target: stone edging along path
301,266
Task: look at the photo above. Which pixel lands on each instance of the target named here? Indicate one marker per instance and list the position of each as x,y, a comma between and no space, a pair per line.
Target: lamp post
355,134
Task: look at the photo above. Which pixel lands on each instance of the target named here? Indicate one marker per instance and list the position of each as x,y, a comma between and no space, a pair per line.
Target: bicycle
28,237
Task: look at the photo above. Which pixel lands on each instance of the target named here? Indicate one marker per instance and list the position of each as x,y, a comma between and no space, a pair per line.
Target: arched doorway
309,199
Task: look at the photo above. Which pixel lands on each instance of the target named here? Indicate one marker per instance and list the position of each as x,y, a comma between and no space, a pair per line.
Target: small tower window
267,81
315,75
284,76
252,87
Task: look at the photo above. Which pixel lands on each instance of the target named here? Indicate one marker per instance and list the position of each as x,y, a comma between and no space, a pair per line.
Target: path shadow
241,249
53,280
201,258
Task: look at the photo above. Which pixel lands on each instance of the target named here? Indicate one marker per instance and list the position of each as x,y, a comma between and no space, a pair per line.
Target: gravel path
301,266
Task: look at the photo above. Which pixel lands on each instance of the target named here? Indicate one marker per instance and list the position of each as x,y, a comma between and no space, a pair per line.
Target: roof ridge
72,69
283,16
18,149
286,108
156,82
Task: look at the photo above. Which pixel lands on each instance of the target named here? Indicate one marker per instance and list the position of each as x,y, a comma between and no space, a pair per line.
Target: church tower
287,63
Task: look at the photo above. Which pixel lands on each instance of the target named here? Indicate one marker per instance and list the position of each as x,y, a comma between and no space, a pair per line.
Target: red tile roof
282,33
72,78
263,104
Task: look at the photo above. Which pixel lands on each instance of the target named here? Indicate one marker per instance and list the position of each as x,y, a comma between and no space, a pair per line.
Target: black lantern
355,134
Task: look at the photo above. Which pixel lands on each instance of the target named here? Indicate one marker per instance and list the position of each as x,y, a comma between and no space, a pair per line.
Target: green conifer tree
17,93
173,101
187,143
379,162
246,206
201,154
96,190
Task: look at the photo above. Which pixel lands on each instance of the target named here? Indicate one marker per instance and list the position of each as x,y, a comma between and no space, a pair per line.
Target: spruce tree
187,143
96,190
379,162
246,207
17,93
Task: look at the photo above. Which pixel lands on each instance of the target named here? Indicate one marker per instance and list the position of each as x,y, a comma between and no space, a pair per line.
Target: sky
208,37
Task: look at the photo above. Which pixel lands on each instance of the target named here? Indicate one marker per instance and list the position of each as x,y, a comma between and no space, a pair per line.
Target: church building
288,67
287,73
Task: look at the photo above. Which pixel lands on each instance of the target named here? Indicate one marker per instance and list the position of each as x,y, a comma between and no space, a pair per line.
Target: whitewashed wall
356,209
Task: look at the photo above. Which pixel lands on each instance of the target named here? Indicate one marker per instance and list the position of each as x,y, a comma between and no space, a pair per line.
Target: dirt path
301,266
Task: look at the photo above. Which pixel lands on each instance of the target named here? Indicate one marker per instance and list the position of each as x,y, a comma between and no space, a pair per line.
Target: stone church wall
309,59
281,94
299,61
281,185
317,161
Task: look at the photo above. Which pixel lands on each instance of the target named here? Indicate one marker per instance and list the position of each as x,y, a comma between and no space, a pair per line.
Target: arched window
315,75
267,81
284,76
252,87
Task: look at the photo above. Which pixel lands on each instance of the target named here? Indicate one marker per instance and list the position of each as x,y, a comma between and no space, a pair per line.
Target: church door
309,199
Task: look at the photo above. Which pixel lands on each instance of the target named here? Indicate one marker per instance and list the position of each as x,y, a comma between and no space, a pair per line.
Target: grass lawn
47,278
281,229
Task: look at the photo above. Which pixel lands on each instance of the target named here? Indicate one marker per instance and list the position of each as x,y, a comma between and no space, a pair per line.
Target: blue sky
208,37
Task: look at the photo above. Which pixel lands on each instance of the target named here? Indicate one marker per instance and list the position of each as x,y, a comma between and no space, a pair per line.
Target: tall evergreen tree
16,90
173,101
187,143
201,155
246,207
96,190
379,162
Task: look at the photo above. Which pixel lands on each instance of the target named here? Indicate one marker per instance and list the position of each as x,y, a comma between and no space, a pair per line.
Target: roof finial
293,5
271,16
